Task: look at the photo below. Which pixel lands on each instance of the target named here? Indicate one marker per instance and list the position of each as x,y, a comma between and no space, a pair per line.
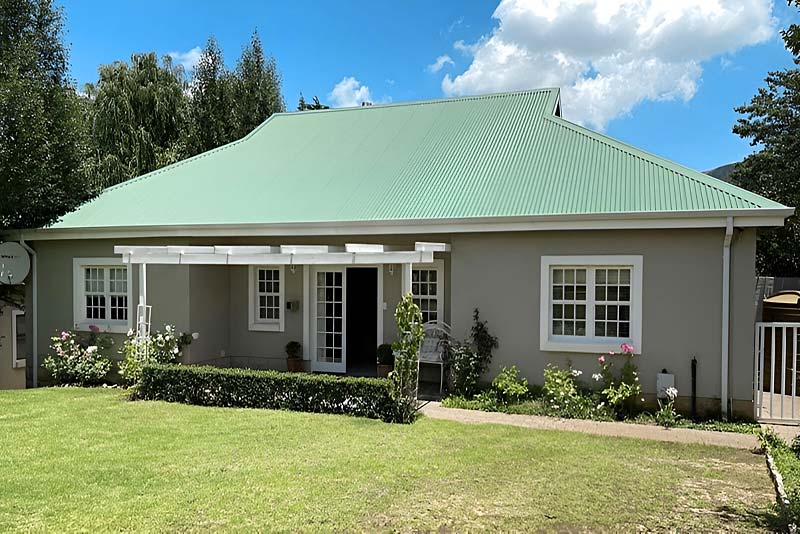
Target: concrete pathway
601,428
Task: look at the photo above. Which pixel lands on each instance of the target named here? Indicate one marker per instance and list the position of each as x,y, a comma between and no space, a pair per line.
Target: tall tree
138,114
43,136
210,108
771,121
256,88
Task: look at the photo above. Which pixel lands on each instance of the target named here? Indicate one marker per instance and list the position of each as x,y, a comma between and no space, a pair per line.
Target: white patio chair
433,347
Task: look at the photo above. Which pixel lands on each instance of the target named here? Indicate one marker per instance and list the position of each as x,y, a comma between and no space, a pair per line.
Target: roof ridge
666,164
426,101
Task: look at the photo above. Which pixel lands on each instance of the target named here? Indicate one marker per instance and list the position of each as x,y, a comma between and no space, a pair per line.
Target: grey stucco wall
682,295
499,273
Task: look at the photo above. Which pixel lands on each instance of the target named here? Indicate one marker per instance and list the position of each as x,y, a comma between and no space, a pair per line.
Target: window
101,294
266,298
590,303
427,288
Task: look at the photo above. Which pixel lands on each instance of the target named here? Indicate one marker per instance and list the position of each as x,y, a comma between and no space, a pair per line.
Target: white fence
775,373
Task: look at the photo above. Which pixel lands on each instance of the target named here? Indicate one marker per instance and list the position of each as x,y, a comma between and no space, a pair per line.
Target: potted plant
385,360
294,357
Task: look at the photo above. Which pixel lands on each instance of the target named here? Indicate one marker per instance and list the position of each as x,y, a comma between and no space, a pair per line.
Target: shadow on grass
768,519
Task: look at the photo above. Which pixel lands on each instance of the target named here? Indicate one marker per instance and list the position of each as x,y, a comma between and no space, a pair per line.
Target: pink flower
64,335
94,329
626,348
602,360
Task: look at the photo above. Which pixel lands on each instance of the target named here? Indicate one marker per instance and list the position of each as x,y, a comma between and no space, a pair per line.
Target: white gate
775,392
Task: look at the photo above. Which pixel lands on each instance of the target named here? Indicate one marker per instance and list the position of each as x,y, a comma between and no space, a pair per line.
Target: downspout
726,305
34,313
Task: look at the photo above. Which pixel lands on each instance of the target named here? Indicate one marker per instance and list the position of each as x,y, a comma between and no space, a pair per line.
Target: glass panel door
329,348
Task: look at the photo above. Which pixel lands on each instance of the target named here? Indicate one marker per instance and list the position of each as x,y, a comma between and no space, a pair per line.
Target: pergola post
406,278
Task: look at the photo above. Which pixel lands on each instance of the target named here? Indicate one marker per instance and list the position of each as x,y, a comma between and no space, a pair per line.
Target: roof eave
756,217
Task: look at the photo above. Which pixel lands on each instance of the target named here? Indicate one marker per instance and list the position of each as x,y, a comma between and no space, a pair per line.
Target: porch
336,300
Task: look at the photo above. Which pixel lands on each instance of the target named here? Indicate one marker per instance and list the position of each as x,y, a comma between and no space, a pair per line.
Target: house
311,227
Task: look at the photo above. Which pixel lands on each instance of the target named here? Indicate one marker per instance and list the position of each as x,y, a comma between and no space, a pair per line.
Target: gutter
34,313
726,305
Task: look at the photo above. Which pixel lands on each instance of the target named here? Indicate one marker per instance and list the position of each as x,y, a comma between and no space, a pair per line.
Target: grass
89,460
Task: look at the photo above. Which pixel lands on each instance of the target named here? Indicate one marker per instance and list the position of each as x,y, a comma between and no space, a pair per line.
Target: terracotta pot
384,370
294,365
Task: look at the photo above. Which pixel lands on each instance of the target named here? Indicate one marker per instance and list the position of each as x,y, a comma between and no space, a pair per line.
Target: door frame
311,324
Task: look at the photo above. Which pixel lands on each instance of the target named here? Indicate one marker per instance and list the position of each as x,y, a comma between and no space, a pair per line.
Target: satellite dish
14,263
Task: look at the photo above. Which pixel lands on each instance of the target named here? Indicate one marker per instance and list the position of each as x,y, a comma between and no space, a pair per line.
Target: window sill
592,346
266,327
105,328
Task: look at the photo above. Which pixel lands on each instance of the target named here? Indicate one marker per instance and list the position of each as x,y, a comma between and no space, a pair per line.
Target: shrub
508,387
563,397
294,350
620,392
78,358
160,347
385,355
468,361
247,388
406,356
666,415
484,401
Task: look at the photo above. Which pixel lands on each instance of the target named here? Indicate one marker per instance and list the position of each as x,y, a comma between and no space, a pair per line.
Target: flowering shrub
620,392
666,415
78,358
160,347
563,396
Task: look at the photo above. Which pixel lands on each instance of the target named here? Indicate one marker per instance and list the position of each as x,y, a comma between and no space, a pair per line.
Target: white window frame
79,320
16,361
589,343
266,325
438,266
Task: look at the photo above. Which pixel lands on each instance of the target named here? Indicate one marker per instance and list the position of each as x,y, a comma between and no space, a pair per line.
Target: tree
772,121
302,105
256,88
211,103
138,113
43,135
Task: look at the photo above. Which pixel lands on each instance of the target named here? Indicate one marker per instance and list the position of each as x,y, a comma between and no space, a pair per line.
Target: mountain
722,172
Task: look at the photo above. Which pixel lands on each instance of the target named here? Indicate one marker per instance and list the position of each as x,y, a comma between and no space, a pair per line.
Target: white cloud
188,59
607,55
348,93
439,64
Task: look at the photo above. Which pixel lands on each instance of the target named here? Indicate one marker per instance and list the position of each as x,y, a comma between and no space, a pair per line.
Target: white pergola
334,255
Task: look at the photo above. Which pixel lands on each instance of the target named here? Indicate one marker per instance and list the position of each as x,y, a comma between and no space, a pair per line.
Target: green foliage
44,139
484,401
787,462
256,89
211,103
159,347
385,355
665,415
771,122
620,392
302,105
138,115
508,387
563,397
469,361
294,350
78,359
406,355
248,388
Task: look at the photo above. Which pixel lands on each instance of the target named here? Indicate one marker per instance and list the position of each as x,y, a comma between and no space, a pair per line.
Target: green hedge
248,388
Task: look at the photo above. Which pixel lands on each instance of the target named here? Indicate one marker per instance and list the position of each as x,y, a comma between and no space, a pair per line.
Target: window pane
580,276
625,276
558,292
558,328
600,276
558,276
569,328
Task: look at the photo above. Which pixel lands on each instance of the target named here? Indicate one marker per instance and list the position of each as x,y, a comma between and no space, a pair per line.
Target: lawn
88,460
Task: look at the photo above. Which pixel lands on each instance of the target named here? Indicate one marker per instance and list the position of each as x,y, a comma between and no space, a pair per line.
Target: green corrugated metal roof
485,156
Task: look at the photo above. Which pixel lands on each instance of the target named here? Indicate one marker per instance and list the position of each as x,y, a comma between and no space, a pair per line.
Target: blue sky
674,97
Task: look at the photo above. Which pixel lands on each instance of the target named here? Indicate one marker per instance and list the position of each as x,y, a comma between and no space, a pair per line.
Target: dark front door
362,319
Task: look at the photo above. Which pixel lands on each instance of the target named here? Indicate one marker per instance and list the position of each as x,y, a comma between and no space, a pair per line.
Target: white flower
597,377
671,393
175,350
195,335
130,332
90,350
577,372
